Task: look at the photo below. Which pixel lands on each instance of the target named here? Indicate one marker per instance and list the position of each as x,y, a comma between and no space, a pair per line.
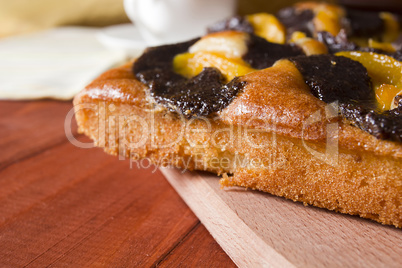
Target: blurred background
24,16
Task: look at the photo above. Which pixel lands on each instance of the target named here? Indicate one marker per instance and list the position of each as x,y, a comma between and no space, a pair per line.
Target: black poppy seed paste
398,102
262,54
383,125
201,95
297,20
336,43
236,23
336,78
207,92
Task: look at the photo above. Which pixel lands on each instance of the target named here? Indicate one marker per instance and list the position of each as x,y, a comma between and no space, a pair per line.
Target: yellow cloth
24,16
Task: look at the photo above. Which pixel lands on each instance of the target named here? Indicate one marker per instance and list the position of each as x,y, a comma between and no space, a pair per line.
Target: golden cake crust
365,180
279,97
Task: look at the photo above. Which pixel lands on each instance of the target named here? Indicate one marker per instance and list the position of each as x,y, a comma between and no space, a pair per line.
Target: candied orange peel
268,26
385,73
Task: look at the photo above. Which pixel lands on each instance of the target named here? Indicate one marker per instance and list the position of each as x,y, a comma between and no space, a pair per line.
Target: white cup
171,21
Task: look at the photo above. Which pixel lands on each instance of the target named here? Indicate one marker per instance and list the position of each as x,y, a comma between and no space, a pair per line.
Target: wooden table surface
63,205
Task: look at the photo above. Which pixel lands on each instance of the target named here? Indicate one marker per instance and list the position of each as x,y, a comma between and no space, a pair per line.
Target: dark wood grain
62,205
197,250
27,128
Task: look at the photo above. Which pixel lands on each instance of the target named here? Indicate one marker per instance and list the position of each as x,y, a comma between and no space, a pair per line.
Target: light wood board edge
246,249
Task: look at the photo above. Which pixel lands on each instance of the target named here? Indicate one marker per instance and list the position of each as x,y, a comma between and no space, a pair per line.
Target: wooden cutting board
260,230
